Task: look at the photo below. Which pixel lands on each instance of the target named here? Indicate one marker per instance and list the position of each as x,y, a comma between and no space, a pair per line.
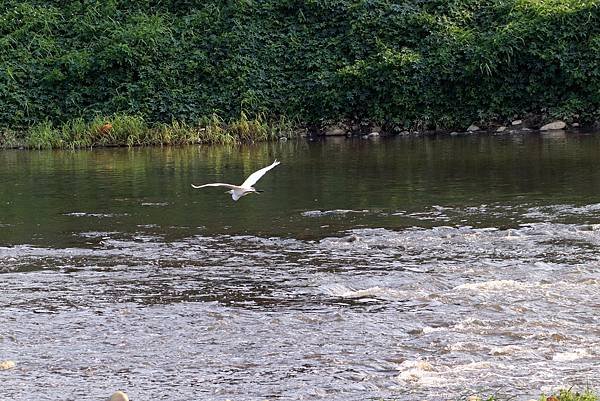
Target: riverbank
521,126
123,130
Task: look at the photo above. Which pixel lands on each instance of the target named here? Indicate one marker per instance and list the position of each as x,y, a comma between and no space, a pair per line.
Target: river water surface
405,269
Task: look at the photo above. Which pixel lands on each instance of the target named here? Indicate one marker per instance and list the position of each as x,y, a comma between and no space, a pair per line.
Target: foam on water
336,212
491,286
339,290
570,356
421,373
97,215
554,212
506,350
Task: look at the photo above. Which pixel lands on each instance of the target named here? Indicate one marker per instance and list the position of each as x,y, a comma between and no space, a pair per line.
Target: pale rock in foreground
501,129
5,365
472,128
517,122
555,125
119,396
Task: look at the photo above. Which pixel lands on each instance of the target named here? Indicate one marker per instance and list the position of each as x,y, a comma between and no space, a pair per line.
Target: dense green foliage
423,63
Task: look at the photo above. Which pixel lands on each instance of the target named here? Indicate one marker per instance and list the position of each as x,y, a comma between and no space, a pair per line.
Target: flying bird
237,191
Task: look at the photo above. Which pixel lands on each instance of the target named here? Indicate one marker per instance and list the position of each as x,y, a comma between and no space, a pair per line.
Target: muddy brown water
405,269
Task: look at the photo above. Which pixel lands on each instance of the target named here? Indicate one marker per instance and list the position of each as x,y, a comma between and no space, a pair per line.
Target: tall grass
43,135
133,130
9,139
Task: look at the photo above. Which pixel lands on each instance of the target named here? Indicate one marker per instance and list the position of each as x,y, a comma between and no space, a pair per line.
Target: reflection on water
392,269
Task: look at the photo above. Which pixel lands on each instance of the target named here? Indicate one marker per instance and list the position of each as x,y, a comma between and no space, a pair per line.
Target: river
385,269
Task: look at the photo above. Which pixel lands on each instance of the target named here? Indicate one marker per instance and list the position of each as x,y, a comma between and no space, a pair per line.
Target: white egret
237,191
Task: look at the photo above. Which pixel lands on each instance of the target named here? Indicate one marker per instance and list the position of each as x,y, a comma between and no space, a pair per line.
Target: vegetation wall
419,63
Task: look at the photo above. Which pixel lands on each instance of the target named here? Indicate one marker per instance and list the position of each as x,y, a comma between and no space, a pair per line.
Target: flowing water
405,269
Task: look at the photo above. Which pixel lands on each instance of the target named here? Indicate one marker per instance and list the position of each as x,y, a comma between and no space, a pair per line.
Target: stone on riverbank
501,129
555,125
376,128
473,128
335,130
517,122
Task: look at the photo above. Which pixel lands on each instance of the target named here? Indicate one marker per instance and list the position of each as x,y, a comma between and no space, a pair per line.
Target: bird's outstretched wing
216,184
254,177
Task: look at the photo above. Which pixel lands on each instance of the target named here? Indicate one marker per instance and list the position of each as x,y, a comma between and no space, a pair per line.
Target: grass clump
571,395
561,395
44,136
125,130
